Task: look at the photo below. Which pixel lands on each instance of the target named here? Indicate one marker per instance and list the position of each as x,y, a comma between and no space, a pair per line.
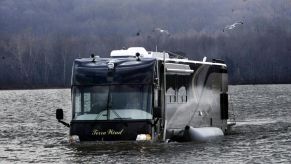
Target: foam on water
256,122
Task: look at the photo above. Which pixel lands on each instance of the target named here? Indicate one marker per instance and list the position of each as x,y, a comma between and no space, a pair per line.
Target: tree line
39,40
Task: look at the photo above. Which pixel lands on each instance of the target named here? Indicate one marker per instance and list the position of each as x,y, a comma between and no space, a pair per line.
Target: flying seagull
230,27
161,31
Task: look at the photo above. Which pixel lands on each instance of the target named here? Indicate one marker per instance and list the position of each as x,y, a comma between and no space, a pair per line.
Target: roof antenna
138,56
93,57
204,59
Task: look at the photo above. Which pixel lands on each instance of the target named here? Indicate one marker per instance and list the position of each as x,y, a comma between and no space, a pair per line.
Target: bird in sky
230,27
161,31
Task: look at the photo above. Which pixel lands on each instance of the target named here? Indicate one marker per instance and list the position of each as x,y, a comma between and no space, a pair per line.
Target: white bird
230,27
161,31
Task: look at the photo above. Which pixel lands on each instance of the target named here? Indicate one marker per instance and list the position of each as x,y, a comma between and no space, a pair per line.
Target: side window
182,95
176,89
170,95
171,89
77,101
87,102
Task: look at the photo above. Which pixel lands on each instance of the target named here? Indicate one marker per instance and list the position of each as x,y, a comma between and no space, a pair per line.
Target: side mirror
59,114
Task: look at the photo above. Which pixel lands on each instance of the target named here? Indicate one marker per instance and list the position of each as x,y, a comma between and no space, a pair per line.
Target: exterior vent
218,61
178,69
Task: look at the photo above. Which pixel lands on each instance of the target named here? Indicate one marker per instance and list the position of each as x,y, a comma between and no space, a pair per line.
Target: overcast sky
123,17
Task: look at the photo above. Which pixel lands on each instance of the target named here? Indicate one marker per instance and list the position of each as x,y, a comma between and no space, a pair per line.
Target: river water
29,132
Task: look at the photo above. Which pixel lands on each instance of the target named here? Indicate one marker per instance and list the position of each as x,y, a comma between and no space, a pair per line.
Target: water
29,132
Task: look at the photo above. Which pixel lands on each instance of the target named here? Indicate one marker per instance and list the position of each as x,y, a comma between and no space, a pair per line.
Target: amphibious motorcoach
142,95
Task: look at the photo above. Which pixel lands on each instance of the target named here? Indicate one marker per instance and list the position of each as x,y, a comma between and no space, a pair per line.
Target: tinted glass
112,102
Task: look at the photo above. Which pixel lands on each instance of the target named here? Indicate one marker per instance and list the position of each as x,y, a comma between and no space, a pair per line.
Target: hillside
39,39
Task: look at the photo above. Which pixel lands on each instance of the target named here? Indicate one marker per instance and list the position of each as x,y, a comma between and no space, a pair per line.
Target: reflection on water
30,133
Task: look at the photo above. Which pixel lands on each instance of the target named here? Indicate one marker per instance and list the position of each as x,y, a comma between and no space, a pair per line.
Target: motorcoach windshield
114,102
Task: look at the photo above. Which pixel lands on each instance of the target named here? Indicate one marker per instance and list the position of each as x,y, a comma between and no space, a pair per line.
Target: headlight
143,137
74,139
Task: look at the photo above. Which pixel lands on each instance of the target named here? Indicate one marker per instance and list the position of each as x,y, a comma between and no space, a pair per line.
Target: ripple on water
30,133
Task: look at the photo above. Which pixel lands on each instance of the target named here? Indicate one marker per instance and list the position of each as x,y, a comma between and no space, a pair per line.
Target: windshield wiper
99,114
122,118
118,117
109,105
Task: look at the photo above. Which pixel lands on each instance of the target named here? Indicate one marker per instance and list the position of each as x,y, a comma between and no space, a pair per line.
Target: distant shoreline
35,88
40,88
